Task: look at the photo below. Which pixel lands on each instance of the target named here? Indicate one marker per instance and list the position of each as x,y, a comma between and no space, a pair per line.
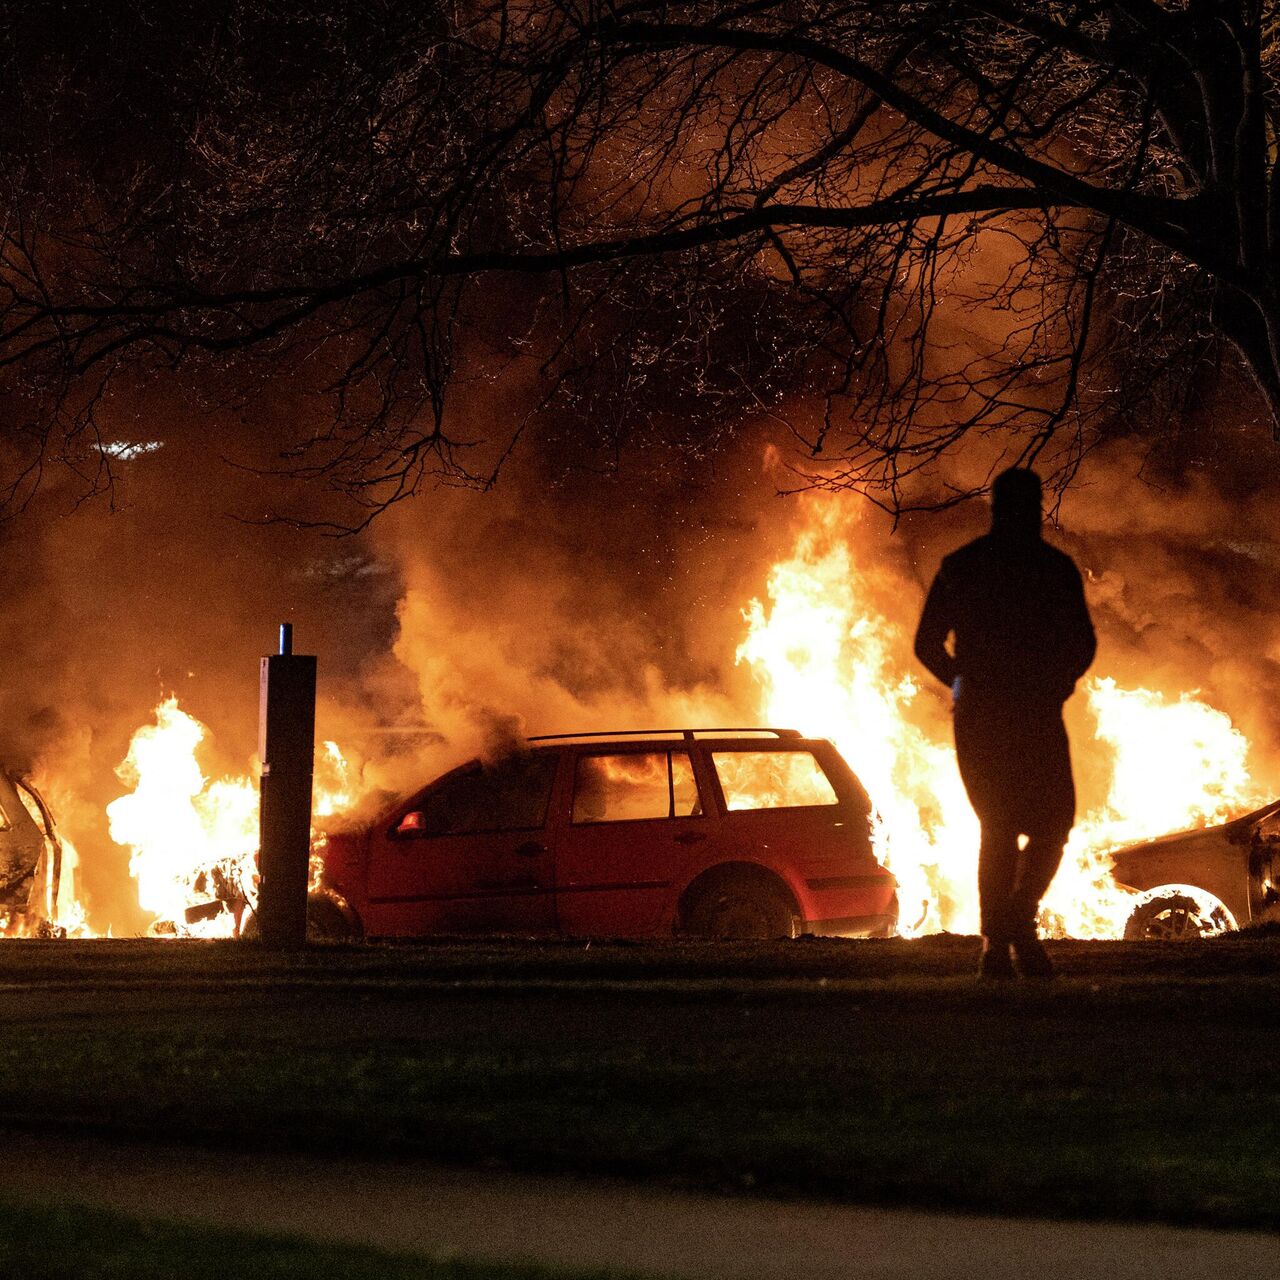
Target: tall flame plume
831,649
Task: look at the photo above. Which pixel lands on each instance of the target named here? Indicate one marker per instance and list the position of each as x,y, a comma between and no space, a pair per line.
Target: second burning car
716,833
1199,883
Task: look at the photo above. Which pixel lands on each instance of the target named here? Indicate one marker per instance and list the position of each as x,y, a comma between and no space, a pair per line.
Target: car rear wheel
739,910
1175,917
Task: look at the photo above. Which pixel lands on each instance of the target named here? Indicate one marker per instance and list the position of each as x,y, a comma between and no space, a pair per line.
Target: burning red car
716,833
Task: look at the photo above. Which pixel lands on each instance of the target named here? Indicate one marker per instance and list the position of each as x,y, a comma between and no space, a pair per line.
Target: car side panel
485,882
824,853
345,860
1206,859
829,868
459,884
621,879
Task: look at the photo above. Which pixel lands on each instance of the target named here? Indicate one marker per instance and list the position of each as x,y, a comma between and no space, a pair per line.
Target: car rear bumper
881,926
850,906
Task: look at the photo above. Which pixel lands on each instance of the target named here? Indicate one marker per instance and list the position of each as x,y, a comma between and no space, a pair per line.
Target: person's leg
1037,865
997,865
987,768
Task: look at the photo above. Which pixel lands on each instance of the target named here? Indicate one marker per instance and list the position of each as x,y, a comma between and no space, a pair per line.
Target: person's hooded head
1015,505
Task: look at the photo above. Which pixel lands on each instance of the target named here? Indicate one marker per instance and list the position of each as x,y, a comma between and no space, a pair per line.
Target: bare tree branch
935,221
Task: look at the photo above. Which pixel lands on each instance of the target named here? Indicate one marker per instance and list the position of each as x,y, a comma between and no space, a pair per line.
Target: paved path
421,1209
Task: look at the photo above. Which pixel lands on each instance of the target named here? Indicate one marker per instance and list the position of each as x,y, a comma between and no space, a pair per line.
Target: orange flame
833,655
182,830
193,842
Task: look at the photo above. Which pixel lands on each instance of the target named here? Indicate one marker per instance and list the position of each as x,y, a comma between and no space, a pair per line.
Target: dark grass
30,962
1144,1084
90,1244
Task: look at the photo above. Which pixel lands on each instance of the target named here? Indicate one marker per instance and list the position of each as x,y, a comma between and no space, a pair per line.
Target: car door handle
690,837
531,849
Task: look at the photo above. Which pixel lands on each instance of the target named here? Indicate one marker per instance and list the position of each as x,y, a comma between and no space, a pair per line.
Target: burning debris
186,835
193,841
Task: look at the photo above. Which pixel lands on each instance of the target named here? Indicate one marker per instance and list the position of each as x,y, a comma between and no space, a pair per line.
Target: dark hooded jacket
1022,638
1016,608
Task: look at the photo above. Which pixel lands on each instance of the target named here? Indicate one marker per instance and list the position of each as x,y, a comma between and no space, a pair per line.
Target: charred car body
30,859
719,833
1198,883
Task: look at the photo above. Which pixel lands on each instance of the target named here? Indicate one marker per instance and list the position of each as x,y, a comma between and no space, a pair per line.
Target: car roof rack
689,735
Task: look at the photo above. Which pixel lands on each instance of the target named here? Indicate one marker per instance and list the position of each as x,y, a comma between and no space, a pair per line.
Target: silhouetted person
1022,638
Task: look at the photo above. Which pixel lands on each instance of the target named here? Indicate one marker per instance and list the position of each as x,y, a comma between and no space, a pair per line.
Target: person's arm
931,634
1081,644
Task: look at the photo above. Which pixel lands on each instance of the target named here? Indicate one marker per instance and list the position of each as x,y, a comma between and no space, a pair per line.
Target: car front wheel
329,919
1176,917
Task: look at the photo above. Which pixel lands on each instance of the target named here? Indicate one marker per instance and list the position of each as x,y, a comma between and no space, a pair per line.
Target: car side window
512,795
772,780
634,785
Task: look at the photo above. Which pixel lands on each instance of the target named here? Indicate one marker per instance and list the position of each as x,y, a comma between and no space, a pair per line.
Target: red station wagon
715,833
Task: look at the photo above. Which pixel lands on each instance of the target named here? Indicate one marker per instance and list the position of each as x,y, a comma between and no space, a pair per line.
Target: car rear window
634,785
772,780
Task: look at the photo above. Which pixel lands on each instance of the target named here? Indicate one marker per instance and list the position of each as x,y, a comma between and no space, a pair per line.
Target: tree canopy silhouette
1039,222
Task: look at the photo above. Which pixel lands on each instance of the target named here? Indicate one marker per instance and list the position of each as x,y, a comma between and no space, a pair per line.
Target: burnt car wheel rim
1178,923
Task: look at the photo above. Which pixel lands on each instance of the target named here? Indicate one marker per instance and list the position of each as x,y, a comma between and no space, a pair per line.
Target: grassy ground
83,1244
1145,1083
